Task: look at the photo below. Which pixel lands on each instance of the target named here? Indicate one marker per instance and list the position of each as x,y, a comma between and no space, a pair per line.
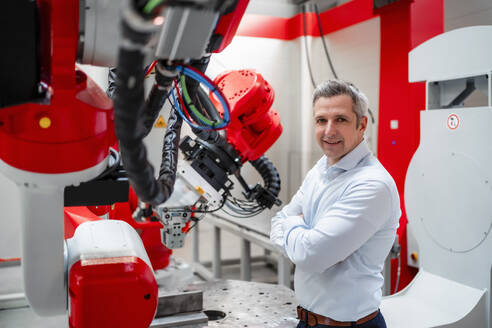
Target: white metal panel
447,195
432,301
41,196
458,53
459,13
105,239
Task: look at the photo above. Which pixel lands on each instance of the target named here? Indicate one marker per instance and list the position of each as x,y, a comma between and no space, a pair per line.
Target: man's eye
341,119
320,120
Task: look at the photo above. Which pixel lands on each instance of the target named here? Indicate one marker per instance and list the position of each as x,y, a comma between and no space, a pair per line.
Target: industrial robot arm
56,129
203,180
238,102
203,183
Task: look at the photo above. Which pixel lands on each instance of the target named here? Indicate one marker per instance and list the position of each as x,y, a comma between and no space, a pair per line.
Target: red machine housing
254,126
115,291
228,24
112,292
72,130
75,216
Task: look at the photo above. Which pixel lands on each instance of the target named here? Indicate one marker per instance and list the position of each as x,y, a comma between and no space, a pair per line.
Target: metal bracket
174,221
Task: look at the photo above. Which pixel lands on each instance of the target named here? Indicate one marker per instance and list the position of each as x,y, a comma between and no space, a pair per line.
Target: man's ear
363,124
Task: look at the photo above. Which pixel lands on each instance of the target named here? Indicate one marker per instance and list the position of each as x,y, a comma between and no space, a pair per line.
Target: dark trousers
376,322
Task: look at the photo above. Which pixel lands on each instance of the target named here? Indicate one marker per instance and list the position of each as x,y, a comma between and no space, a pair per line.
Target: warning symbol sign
453,122
160,123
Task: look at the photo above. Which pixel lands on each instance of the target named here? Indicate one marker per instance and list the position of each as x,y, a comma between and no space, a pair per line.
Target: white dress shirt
351,212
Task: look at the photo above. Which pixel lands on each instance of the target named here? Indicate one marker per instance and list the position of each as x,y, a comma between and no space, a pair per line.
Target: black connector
264,197
269,174
214,162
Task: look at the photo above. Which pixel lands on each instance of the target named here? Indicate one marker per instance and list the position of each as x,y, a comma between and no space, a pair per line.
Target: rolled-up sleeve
345,226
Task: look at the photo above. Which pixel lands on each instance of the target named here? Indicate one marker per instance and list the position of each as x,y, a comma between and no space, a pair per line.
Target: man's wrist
290,223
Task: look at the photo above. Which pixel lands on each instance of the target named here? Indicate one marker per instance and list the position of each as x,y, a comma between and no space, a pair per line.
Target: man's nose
330,129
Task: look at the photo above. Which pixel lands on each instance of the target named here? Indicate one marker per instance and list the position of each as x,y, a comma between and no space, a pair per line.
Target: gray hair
332,88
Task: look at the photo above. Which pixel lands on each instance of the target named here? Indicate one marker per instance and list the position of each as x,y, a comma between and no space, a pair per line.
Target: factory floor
230,249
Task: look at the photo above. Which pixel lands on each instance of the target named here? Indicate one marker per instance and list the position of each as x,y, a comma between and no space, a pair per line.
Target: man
341,223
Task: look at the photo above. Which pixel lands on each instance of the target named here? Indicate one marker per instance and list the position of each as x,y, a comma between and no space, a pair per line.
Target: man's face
337,132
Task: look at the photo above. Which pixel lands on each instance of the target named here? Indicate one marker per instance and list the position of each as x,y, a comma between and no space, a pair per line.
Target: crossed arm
342,229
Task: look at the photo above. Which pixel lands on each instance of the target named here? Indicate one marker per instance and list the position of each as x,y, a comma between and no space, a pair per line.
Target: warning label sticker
453,122
160,123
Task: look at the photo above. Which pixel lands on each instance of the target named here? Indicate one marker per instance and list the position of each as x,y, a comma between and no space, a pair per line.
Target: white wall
354,52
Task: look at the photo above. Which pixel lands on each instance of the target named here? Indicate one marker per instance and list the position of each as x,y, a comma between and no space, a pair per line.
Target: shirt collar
350,160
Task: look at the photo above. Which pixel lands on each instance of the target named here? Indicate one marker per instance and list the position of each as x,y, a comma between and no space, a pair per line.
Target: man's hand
302,216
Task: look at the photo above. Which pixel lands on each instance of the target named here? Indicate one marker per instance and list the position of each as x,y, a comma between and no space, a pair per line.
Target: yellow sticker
160,123
45,122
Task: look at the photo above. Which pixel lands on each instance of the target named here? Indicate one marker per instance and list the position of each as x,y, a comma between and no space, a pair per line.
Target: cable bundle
259,198
206,116
242,208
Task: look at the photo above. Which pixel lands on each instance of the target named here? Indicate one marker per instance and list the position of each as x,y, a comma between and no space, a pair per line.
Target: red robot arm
255,126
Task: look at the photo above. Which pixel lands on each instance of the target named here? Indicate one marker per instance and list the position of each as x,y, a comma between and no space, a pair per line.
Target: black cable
269,174
242,203
263,199
306,45
240,209
153,105
189,111
208,105
129,128
209,136
199,105
371,115
246,204
193,88
168,168
195,222
321,34
242,216
224,198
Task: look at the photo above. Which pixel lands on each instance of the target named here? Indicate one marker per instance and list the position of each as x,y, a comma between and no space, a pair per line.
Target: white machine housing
448,187
42,234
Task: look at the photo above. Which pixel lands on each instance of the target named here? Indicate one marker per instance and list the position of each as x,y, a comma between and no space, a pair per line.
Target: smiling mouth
332,142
